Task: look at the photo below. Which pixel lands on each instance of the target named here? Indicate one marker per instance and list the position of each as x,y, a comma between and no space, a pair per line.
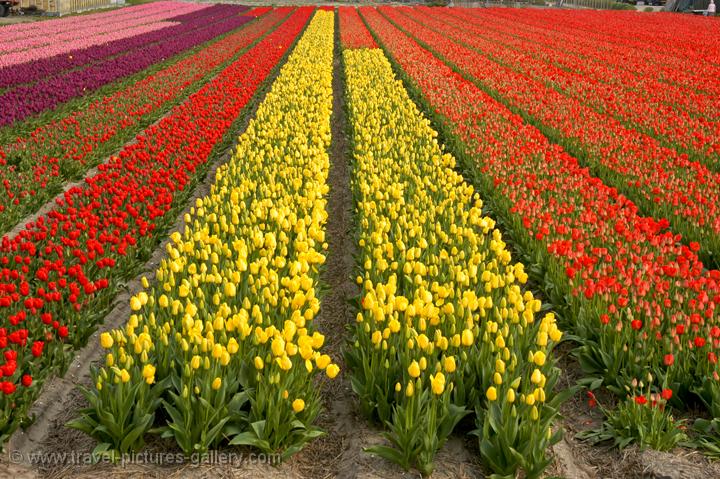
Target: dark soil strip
331,455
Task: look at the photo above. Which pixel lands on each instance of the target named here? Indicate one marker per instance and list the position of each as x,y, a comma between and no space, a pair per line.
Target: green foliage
509,442
648,425
273,423
197,421
419,428
120,413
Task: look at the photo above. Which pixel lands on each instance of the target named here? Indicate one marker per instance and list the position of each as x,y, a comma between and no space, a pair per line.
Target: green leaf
83,423
314,433
216,430
259,428
248,438
101,449
232,430
389,453
290,451
136,433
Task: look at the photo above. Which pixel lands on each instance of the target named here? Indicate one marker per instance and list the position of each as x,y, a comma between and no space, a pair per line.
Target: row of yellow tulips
445,325
224,343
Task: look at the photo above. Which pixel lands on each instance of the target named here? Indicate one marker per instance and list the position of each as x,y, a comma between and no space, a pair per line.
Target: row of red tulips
34,167
60,274
353,33
639,301
684,58
655,109
634,31
596,51
660,181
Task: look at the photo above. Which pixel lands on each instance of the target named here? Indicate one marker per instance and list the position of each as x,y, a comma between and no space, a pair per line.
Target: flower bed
60,273
637,300
23,101
225,343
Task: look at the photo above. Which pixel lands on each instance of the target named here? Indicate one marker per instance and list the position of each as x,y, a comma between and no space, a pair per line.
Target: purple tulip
23,101
60,42
52,65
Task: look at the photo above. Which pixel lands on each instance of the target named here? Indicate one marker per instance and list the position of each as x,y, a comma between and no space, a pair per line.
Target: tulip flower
298,405
429,286
196,345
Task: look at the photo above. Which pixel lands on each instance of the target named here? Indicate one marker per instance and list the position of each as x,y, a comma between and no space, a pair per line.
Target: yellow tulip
555,334
414,369
135,303
195,362
298,405
322,361
437,383
332,371
225,358
491,393
106,340
410,389
259,364
278,346
217,351
449,364
467,338
285,363
149,373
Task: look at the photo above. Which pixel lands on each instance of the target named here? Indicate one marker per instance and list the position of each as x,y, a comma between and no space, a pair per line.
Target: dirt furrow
333,455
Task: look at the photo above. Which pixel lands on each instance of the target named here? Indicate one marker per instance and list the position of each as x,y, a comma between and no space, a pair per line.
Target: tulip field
461,242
